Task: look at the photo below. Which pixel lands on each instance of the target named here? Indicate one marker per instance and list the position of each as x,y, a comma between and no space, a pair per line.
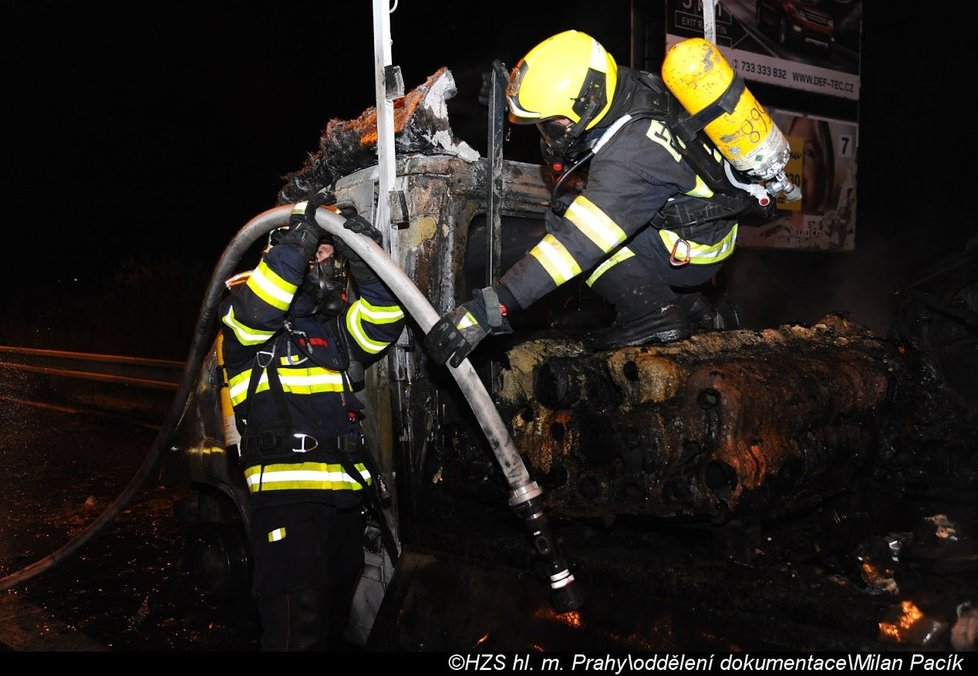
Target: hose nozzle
565,594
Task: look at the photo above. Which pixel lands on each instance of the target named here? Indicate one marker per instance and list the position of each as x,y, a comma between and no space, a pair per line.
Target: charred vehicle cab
721,428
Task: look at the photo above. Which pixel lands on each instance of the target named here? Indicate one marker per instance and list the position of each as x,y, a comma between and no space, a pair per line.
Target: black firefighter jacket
634,173
317,394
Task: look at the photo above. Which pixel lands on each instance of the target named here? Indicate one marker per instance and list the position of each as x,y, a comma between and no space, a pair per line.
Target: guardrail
153,373
130,386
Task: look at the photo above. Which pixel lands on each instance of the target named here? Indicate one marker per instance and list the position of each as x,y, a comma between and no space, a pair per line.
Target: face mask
323,291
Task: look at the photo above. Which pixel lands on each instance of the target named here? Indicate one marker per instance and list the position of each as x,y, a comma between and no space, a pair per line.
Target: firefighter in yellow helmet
655,221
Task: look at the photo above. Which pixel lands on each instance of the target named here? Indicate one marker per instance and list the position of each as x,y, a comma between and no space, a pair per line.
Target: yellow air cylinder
232,438
697,74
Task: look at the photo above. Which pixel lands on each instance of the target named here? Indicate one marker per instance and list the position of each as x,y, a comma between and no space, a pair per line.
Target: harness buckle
674,259
264,357
302,437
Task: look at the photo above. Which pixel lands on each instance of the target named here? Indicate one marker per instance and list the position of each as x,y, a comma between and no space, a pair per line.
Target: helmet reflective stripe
271,288
276,535
622,254
593,222
244,334
702,254
312,476
313,380
567,75
555,259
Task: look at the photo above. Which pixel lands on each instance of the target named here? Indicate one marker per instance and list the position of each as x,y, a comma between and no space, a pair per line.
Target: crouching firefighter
657,217
294,351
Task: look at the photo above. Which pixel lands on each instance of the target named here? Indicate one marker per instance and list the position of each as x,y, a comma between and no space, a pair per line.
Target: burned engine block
709,426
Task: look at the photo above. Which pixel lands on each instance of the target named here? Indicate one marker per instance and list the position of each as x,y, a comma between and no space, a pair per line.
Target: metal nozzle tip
567,598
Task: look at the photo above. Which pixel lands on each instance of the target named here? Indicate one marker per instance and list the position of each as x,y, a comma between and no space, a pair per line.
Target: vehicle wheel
215,560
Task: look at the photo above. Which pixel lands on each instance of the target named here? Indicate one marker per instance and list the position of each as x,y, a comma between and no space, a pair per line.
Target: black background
160,129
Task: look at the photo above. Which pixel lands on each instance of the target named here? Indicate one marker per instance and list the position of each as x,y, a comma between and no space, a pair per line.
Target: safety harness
281,443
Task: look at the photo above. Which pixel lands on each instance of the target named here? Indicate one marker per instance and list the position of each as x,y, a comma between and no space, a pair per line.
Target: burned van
712,433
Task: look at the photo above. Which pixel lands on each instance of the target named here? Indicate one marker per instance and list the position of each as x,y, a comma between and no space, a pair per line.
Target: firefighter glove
358,268
458,332
303,232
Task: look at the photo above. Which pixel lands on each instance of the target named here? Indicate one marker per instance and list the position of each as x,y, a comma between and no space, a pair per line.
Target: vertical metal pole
709,20
497,109
386,166
494,222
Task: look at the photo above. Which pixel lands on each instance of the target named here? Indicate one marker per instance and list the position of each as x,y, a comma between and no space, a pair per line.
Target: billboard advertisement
810,45
823,166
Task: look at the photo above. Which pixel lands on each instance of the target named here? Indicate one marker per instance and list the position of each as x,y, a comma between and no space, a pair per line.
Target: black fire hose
200,345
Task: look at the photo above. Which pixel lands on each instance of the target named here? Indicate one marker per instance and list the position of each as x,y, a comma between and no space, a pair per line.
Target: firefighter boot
648,310
662,325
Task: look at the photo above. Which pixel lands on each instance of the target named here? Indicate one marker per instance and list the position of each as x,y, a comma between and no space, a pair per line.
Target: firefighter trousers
308,558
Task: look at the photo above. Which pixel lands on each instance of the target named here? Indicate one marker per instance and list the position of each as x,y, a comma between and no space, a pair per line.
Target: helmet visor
517,113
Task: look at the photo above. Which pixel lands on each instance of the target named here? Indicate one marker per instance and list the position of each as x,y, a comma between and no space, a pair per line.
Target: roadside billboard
823,166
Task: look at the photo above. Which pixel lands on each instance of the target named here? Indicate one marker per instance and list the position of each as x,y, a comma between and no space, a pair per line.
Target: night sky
162,131
168,130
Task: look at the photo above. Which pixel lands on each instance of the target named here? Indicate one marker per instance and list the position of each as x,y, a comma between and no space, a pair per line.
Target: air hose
525,496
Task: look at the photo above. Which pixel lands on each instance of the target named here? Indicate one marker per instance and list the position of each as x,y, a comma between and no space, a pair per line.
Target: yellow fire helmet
568,75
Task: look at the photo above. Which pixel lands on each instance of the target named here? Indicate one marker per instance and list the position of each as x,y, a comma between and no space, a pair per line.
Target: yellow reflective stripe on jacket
700,254
271,288
701,189
362,311
311,380
379,314
309,476
621,255
594,223
555,259
244,334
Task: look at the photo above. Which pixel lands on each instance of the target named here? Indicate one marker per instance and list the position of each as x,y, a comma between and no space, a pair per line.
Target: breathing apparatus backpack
734,192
